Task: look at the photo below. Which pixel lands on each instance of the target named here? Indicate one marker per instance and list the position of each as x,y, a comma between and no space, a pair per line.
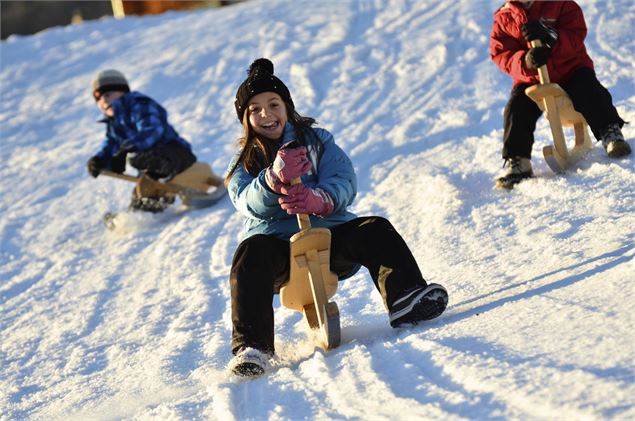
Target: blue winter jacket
332,171
140,123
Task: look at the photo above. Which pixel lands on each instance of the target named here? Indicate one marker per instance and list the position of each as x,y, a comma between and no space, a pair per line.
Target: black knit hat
260,79
109,80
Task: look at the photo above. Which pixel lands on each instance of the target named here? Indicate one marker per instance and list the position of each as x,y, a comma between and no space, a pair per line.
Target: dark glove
126,147
537,57
118,162
535,29
95,165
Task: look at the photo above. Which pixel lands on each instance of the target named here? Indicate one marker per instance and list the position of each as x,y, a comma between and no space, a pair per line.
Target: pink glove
305,200
290,163
273,181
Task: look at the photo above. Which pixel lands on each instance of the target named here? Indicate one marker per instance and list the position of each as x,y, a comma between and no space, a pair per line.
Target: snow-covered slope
136,323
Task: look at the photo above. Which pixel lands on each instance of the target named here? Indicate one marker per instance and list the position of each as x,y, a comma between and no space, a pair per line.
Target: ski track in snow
135,324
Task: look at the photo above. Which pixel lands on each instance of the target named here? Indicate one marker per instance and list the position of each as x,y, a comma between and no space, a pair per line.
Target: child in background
561,27
137,130
259,186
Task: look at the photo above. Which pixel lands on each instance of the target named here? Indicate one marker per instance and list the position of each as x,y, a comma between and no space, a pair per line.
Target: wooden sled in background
556,104
191,185
311,283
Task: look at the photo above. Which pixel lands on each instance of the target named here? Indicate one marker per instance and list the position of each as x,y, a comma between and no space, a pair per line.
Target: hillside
135,324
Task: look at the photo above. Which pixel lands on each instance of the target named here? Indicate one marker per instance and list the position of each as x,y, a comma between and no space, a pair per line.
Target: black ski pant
589,97
163,161
261,265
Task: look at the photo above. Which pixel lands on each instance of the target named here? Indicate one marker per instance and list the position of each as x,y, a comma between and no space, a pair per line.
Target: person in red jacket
561,28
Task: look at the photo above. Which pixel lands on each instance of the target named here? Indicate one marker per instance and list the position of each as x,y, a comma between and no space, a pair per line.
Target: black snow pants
261,265
589,97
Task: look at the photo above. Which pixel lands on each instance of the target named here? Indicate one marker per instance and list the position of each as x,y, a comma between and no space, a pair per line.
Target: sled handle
125,177
553,115
304,222
543,73
146,181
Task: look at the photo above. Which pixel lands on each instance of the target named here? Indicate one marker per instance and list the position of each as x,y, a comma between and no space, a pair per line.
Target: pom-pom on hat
109,80
260,79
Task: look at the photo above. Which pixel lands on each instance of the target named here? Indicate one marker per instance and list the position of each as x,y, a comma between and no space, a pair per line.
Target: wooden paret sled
556,104
192,185
311,283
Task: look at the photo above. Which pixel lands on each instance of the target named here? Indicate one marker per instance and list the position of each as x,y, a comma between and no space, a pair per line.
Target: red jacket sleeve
508,48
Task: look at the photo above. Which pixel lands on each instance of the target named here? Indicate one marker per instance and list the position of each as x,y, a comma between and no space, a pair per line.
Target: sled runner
556,104
311,282
191,185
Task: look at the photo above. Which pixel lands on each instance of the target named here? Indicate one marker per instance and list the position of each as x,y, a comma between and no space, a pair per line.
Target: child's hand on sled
301,199
537,57
291,163
95,165
273,182
535,29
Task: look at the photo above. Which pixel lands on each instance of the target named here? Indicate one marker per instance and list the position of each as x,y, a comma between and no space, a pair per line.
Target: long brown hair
256,152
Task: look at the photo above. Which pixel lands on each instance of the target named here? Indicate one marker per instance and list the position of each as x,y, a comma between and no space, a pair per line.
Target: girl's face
267,114
105,100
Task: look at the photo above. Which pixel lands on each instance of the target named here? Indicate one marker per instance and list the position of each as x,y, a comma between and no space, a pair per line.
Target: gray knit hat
109,80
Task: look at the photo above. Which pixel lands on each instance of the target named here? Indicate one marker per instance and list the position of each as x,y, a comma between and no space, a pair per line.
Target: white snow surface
135,323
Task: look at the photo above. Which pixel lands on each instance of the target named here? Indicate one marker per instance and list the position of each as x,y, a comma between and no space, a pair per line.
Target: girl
279,145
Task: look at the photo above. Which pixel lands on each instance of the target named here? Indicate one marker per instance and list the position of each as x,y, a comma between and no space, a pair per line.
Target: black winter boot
519,169
250,362
613,141
150,204
418,304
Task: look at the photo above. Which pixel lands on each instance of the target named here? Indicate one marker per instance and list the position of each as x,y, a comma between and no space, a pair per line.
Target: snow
135,324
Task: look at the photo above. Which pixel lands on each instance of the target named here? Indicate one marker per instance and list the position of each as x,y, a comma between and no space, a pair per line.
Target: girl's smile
267,114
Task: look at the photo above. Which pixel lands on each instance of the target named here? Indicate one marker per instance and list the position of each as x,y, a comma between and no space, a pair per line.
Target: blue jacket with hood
139,124
332,171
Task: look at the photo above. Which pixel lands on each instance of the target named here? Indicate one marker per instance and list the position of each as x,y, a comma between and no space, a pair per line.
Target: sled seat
198,176
311,284
308,247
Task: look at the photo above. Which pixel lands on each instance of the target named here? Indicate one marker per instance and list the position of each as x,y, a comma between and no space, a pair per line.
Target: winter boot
418,304
150,204
613,141
249,362
519,169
